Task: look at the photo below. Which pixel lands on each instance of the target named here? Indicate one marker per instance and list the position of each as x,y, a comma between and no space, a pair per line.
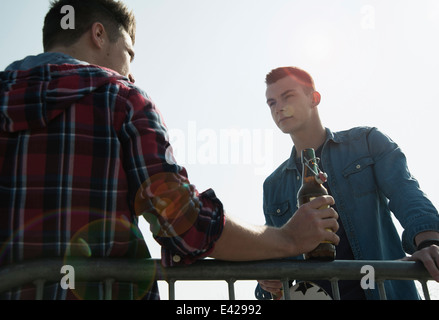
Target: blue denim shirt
368,178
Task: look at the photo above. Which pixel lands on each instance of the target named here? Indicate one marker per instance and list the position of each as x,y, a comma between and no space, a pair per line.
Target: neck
310,137
78,53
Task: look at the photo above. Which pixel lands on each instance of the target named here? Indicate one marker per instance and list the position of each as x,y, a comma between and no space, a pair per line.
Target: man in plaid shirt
84,152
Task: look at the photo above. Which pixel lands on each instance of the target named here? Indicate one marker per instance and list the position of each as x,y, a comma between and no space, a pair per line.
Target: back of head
303,77
113,15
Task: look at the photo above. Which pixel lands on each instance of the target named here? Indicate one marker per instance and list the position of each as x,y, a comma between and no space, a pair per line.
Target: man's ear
316,97
98,35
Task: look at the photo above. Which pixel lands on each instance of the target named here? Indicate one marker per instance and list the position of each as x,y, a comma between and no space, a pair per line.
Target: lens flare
168,203
95,234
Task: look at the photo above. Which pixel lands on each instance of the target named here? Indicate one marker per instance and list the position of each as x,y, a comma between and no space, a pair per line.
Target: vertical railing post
231,285
286,287
425,289
335,289
108,288
39,288
171,289
382,290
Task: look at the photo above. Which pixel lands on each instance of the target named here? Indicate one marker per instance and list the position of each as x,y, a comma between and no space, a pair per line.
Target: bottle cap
321,177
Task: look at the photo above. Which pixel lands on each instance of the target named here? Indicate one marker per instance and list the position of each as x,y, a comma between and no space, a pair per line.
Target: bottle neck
309,165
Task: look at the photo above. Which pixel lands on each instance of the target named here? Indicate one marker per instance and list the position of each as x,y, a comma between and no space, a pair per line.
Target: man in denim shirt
367,177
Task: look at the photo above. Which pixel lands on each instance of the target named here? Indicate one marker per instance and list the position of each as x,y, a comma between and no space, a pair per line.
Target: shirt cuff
199,241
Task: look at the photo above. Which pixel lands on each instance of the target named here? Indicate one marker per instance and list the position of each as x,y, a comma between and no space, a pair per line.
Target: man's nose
279,107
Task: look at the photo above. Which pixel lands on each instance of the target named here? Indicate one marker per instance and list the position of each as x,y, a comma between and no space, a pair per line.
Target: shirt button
358,167
278,210
176,258
298,178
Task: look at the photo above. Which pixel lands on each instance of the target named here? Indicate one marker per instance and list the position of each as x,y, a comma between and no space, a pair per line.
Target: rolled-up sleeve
183,221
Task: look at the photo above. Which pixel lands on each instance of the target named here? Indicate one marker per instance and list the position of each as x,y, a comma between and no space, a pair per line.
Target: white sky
204,62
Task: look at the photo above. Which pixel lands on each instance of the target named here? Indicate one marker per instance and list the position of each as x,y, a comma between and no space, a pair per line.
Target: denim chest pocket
280,213
360,176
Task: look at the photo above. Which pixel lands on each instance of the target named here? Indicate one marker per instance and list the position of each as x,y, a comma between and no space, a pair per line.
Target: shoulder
132,96
129,99
353,133
370,135
362,141
96,77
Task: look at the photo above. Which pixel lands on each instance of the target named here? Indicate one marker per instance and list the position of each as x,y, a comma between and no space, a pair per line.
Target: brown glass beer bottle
312,187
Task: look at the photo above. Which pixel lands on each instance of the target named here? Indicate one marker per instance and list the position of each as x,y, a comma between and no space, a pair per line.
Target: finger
330,223
430,258
322,201
275,291
270,285
274,284
332,237
431,261
328,213
430,265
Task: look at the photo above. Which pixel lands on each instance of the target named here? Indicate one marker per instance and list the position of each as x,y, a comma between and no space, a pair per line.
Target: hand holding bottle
310,225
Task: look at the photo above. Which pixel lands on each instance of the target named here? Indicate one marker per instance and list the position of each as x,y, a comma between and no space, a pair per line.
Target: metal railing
110,270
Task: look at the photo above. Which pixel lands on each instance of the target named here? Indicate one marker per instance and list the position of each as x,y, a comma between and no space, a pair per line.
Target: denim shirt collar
291,163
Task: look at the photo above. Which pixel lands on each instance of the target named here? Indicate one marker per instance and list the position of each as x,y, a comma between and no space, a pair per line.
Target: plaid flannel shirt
83,153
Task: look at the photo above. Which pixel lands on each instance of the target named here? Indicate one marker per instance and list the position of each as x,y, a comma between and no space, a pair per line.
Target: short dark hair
114,15
300,75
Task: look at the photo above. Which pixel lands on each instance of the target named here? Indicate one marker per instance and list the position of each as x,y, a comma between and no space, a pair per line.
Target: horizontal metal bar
136,270
287,269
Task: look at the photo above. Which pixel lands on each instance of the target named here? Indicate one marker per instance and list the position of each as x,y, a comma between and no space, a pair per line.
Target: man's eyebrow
282,95
288,92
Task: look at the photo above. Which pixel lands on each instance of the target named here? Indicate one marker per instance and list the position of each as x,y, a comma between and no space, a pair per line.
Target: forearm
308,227
241,242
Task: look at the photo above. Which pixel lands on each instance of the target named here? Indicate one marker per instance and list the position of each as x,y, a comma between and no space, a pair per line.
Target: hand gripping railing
110,270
